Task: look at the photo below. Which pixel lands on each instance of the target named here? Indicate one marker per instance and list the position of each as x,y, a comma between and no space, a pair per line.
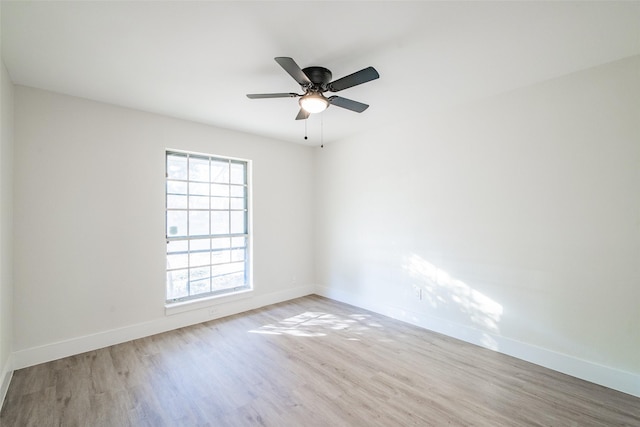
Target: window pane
237,203
237,173
219,257
198,189
238,242
177,284
198,202
177,261
219,203
220,190
237,222
199,280
229,281
176,202
236,279
176,187
237,255
222,269
219,171
198,169
177,166
199,244
237,191
176,223
220,243
219,222
200,286
197,259
198,223
177,246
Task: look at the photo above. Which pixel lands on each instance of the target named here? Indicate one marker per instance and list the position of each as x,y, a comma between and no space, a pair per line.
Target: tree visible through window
207,226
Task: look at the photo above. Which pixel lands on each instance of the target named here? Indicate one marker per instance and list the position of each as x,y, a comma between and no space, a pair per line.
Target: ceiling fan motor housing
319,76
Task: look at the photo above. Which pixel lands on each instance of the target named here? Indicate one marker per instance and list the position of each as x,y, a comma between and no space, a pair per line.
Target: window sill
181,307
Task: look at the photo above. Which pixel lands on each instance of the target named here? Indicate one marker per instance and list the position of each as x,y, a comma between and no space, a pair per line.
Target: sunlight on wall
448,294
317,324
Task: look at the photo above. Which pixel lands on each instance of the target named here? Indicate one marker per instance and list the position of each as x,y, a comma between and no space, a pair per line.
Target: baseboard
46,353
603,375
5,378
606,376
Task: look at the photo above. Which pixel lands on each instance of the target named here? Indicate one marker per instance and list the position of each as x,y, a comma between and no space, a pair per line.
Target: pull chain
322,130
305,128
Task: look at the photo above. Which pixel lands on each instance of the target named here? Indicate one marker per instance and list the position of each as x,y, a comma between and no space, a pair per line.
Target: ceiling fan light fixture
314,103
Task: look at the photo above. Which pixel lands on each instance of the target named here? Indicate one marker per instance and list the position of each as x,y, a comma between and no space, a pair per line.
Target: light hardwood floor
307,362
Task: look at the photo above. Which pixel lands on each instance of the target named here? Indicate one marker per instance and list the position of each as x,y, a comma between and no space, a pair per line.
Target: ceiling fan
315,81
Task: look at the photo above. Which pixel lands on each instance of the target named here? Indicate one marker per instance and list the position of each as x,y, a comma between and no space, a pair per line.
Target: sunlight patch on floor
318,324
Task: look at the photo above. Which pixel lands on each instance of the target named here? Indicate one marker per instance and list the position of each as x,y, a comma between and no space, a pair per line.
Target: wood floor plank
312,362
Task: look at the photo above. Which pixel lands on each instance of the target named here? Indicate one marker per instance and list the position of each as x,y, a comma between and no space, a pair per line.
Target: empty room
319,213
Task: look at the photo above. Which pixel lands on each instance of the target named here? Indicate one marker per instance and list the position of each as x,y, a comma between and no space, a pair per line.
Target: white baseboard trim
46,353
606,376
5,378
623,381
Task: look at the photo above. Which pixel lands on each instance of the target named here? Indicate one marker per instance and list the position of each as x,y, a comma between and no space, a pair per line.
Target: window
207,226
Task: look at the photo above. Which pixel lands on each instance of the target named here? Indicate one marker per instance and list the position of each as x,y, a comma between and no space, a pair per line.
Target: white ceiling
197,60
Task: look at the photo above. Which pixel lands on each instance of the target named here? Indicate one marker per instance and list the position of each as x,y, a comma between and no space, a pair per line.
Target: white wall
6,229
89,221
518,218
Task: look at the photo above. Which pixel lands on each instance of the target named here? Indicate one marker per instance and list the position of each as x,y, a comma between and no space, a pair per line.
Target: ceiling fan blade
302,115
357,78
349,104
293,69
271,95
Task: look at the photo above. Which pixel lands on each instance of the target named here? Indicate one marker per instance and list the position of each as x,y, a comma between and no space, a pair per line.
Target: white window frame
189,253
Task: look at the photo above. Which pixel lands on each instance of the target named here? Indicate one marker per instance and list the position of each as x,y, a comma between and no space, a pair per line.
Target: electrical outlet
417,290
212,311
